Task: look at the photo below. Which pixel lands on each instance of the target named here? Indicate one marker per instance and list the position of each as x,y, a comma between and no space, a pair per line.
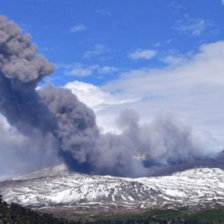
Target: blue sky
155,56
111,30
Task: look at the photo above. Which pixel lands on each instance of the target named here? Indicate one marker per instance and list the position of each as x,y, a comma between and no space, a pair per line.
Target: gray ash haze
51,125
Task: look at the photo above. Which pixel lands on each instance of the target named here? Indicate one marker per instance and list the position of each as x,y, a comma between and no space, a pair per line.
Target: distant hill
16,214
59,190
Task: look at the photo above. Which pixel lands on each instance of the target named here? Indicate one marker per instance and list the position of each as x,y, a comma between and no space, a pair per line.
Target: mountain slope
14,213
58,187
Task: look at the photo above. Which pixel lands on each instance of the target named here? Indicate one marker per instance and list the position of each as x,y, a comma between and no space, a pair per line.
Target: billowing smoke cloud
76,127
54,111
57,115
141,147
20,71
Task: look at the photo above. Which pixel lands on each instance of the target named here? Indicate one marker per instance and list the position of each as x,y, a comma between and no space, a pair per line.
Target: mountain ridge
58,187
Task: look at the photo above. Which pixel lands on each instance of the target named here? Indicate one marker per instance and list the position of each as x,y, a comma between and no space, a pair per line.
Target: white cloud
100,101
21,153
174,58
222,2
192,90
107,69
98,49
78,28
142,54
80,70
94,96
103,12
191,26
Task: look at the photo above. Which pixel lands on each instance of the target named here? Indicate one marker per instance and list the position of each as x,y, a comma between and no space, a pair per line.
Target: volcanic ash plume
58,114
54,111
141,147
20,71
76,127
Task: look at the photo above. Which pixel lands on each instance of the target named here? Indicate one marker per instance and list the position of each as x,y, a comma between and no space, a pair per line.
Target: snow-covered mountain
58,187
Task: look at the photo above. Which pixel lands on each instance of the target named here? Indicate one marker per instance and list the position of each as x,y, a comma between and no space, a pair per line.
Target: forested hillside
16,214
